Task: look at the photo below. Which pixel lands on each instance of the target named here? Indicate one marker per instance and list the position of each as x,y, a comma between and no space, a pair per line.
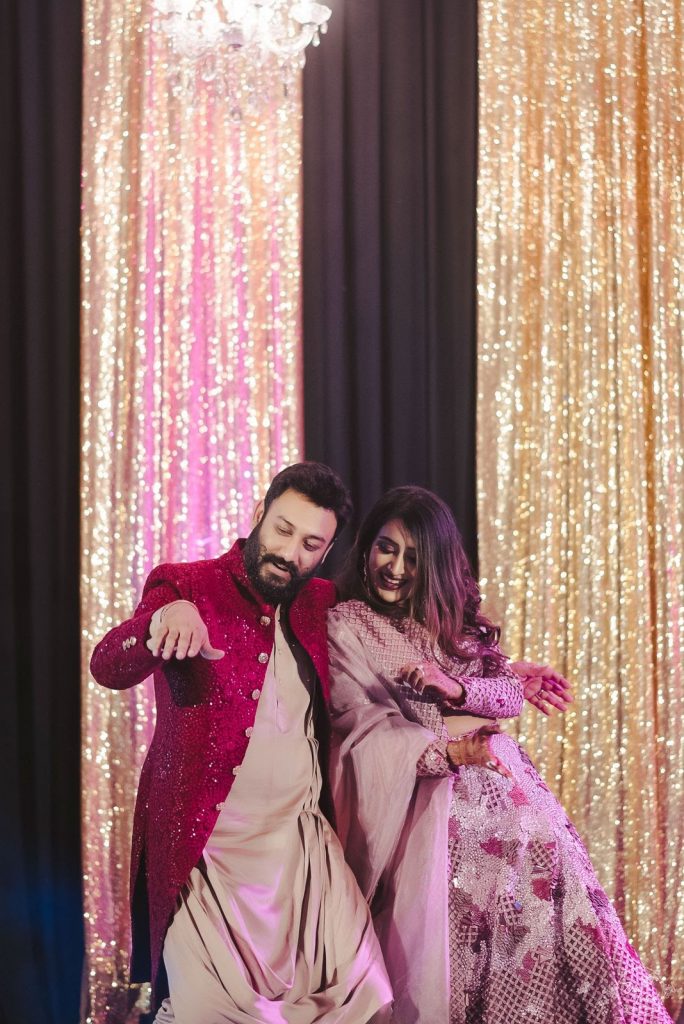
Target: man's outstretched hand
178,630
543,687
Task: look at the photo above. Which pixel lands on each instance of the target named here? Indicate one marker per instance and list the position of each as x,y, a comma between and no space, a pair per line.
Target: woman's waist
460,725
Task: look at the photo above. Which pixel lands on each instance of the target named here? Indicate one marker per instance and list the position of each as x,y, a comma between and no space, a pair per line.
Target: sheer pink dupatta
393,826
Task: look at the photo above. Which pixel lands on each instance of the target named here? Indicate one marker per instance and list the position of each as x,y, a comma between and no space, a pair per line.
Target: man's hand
178,630
543,687
427,678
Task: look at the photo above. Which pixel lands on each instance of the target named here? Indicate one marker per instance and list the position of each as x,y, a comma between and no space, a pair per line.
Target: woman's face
392,563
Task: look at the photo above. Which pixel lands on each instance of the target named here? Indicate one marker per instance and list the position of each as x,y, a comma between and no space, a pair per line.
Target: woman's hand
425,677
475,748
178,630
543,687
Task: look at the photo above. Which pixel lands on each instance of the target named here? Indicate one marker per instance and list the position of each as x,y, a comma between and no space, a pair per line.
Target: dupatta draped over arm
392,821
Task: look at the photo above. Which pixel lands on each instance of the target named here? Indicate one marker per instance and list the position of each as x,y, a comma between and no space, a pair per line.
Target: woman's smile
391,582
392,563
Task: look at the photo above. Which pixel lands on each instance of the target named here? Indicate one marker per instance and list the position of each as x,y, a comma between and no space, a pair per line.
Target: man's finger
195,646
184,638
169,644
210,653
156,640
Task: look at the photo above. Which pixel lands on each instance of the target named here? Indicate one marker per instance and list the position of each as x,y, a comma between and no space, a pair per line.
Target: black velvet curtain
390,120
41,946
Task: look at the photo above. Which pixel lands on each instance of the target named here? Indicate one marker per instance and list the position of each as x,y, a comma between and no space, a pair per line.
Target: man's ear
258,513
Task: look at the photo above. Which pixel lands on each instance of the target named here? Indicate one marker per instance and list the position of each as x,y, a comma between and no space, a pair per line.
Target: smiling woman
408,526
484,899
392,563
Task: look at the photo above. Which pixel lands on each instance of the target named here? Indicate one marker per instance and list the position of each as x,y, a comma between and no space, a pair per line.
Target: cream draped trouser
271,925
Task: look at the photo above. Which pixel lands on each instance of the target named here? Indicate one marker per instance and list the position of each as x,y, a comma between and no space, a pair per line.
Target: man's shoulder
178,572
321,592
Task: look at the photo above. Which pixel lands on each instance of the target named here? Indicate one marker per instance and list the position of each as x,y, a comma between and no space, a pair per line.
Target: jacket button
263,658
236,769
219,806
249,730
265,620
256,694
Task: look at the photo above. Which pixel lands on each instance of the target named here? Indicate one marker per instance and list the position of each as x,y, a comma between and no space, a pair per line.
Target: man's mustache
280,563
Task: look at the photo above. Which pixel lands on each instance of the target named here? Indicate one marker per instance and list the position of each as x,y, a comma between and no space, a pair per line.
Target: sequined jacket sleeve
122,659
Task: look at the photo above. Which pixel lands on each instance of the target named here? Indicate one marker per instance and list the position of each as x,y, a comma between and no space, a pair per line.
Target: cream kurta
271,926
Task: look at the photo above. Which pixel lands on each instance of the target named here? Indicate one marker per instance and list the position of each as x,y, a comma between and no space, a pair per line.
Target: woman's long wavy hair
446,598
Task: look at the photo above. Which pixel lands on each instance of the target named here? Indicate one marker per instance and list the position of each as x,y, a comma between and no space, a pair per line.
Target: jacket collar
234,562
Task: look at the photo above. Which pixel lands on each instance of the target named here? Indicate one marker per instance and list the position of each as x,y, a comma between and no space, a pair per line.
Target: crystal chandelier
211,31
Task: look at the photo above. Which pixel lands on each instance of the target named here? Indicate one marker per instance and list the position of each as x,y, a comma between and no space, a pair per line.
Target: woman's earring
365,574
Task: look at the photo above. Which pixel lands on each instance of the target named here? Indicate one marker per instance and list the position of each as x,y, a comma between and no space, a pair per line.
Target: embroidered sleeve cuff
492,696
434,761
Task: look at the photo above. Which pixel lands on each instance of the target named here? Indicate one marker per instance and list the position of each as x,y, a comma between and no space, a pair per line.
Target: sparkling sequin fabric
580,419
531,936
205,715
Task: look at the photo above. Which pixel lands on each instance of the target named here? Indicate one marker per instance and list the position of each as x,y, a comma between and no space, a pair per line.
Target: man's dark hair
317,482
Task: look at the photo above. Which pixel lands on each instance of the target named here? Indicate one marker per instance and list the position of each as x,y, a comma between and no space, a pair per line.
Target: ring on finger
491,764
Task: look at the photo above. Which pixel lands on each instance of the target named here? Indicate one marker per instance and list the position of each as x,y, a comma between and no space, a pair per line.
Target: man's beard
274,590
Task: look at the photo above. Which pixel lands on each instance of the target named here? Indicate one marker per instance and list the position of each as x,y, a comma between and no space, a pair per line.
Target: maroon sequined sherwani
205,715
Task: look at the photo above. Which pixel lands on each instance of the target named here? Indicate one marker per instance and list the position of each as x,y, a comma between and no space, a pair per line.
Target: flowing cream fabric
272,926
387,823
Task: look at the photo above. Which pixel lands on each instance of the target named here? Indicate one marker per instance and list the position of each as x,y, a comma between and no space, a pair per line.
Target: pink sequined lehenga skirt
533,937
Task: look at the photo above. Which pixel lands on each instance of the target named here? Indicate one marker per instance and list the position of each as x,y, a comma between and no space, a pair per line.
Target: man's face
287,545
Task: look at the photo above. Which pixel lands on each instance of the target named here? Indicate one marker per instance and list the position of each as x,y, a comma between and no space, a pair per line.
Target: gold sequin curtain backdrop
581,416
190,377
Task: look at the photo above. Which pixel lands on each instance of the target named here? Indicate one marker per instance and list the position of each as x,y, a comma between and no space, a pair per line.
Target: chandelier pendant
256,29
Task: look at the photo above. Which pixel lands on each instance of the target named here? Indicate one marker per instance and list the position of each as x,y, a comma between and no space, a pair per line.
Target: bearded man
243,908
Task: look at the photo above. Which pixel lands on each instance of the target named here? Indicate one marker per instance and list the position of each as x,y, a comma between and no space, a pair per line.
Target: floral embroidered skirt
533,937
